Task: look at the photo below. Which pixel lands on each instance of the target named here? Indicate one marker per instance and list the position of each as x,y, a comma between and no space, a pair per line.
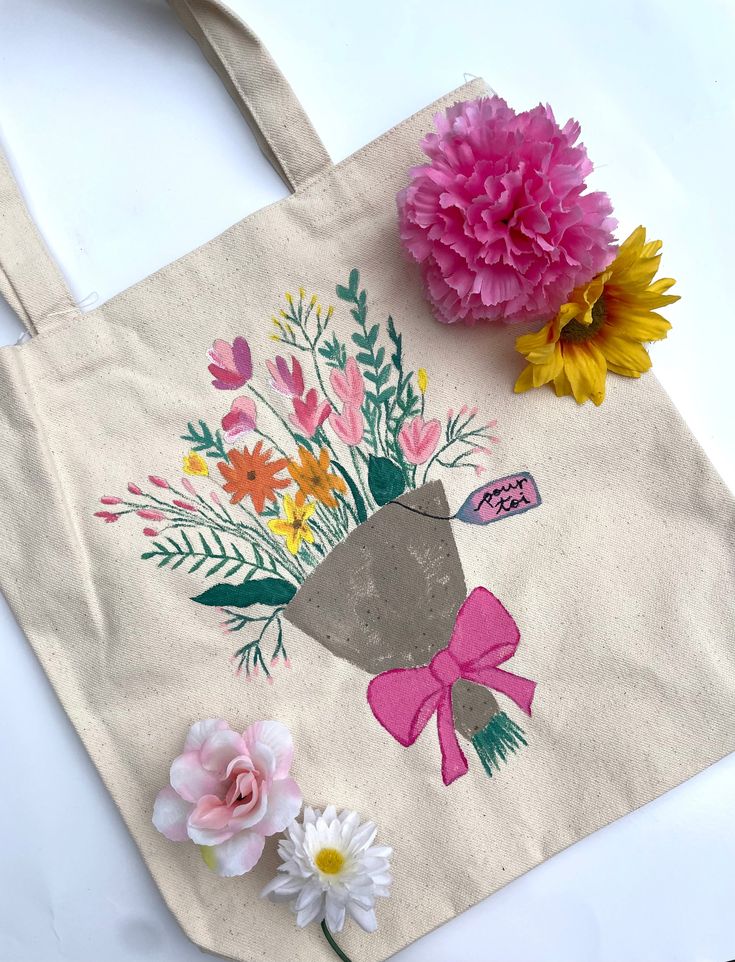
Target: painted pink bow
404,699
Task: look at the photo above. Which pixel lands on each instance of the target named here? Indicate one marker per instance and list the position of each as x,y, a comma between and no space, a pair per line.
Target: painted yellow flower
602,327
423,379
294,527
195,464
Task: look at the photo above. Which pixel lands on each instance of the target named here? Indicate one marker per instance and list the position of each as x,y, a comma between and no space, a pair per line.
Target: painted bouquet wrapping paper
311,523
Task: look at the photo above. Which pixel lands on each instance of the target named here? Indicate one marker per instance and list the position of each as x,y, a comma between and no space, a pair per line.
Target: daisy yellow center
574,331
329,861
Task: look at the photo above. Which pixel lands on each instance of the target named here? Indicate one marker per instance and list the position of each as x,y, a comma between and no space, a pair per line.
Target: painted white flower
331,869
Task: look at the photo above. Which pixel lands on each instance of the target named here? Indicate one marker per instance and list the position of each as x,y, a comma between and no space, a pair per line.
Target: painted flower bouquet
256,510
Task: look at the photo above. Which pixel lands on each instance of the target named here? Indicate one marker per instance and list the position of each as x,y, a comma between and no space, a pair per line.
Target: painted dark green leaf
354,281
261,591
386,479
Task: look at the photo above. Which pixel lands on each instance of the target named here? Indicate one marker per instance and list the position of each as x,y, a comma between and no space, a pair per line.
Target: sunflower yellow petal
624,372
543,373
525,380
661,285
651,248
585,366
561,384
641,326
624,354
535,341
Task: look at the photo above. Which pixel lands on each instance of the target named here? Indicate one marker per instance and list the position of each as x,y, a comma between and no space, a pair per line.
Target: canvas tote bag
611,558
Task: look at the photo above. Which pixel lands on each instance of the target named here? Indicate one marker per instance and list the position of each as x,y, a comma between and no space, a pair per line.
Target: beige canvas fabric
621,581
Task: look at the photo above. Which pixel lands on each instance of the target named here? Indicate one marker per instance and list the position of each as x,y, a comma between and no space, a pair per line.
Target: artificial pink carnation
499,219
228,792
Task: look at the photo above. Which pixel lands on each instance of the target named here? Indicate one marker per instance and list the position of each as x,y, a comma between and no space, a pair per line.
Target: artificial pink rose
418,439
348,384
290,383
240,419
228,792
309,414
232,364
349,425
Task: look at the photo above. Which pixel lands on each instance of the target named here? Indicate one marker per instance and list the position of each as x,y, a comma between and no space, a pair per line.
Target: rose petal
190,780
170,813
236,856
200,731
209,836
219,749
284,804
264,759
278,738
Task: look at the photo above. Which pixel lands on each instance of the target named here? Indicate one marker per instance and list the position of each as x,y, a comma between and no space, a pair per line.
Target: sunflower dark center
251,475
574,331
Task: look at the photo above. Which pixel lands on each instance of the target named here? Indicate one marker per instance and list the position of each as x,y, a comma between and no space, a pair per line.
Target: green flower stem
327,518
332,944
272,548
244,653
369,501
270,407
290,572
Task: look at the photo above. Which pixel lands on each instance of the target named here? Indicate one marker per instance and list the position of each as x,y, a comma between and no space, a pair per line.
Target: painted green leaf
261,591
386,479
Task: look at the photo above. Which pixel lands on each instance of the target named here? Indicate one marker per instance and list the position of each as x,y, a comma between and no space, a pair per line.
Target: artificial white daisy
331,870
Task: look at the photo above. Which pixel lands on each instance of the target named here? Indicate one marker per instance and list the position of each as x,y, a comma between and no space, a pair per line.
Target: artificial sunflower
314,479
602,327
294,527
253,475
195,465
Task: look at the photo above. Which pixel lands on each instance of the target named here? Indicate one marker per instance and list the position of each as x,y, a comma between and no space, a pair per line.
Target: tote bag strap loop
30,281
258,87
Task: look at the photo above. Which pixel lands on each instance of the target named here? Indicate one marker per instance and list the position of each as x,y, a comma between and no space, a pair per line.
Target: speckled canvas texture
621,582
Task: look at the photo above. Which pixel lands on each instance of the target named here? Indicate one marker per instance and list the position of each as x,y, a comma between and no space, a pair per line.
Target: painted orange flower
314,479
253,475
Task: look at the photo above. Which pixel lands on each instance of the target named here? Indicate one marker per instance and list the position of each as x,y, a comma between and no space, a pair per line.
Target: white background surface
131,154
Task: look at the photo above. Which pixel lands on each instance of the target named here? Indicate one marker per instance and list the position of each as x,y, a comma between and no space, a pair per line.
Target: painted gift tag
502,498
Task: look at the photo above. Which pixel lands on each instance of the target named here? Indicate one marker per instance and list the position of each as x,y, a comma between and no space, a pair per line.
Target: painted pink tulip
159,482
309,414
418,439
228,792
348,385
240,419
349,425
185,505
232,364
134,489
290,383
110,499
150,532
188,486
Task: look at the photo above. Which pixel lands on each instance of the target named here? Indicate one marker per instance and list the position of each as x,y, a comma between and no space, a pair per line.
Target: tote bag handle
262,93
31,282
